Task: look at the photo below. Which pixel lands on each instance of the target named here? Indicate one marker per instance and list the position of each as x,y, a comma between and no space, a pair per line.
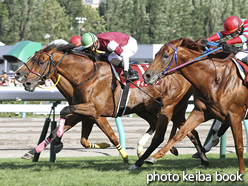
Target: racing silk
112,42
243,38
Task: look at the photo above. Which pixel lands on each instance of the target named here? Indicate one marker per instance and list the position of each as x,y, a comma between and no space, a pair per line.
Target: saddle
242,69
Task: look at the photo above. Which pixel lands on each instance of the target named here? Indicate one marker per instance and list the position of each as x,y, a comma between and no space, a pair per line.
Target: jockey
76,40
236,28
118,47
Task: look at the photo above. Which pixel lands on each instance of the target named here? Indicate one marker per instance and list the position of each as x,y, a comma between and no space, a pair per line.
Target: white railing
19,94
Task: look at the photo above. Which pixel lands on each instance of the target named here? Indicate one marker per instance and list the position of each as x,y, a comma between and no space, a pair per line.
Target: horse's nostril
17,74
148,76
27,83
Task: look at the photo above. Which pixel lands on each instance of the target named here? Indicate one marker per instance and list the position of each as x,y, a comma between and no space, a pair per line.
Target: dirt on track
19,135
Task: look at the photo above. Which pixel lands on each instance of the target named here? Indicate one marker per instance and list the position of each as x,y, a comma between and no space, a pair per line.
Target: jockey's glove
204,41
235,50
224,45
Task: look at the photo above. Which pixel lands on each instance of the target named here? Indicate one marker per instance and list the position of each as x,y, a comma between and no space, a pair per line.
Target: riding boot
129,75
133,74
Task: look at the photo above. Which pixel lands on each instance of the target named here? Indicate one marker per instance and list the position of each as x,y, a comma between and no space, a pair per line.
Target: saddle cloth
242,69
140,68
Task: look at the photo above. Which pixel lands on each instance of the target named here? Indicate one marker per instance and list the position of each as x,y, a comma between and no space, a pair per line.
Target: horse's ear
197,41
180,41
43,48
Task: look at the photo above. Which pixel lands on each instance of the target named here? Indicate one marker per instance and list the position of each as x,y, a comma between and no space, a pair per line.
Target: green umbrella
22,51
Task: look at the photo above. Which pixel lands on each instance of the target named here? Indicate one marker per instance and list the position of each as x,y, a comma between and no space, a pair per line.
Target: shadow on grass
114,163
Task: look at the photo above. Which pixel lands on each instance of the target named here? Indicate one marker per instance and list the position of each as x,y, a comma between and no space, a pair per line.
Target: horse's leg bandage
99,145
122,152
42,145
61,126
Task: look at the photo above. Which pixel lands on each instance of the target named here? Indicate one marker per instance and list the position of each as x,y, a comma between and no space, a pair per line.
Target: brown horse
219,91
67,90
94,97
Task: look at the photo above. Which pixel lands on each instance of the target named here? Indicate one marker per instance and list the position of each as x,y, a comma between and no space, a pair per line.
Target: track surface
19,135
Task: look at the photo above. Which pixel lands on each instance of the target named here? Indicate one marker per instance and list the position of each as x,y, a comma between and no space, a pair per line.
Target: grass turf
111,170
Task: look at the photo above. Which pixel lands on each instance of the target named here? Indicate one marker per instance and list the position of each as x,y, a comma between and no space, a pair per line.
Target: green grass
112,171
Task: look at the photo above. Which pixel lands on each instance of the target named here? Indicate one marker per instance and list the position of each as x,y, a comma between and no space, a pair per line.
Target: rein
53,85
166,71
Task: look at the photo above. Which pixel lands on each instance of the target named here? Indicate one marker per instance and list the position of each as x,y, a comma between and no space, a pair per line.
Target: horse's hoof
196,155
28,156
214,143
140,154
150,160
58,148
201,166
174,151
133,167
125,160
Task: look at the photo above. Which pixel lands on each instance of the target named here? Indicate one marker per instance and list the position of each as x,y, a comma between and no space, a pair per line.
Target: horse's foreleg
152,120
87,109
236,126
157,139
39,148
106,128
70,122
195,118
173,150
142,142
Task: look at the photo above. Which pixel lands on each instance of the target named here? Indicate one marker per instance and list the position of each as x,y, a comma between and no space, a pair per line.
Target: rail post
53,127
246,129
24,113
121,132
42,137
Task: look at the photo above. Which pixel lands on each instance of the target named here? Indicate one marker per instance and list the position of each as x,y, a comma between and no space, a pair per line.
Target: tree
94,23
140,22
20,20
73,9
160,23
55,23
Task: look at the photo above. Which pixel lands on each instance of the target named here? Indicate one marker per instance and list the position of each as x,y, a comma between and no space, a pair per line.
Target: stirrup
133,77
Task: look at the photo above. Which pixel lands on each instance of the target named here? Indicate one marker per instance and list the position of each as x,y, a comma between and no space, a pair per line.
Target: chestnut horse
94,98
219,91
67,90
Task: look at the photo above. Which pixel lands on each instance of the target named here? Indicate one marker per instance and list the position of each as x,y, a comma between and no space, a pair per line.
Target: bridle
173,58
166,71
51,61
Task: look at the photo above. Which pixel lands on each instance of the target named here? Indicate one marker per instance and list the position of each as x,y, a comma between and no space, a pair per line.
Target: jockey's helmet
232,24
76,40
88,39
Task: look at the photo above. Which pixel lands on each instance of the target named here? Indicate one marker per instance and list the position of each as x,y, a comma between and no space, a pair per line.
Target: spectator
12,82
48,83
6,82
1,82
4,76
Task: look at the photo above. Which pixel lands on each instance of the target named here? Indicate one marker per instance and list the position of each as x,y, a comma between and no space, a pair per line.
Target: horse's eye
41,62
165,56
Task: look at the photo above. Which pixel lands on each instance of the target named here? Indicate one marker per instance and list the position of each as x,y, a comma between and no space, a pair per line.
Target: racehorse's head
168,58
39,68
22,72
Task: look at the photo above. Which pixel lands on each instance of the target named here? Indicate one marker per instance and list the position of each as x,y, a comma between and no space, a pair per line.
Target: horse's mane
193,45
70,48
196,46
60,47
